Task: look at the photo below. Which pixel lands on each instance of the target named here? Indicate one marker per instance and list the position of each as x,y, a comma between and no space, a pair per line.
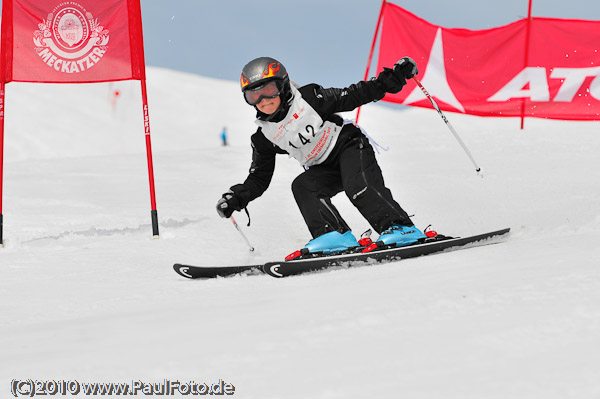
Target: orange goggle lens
256,95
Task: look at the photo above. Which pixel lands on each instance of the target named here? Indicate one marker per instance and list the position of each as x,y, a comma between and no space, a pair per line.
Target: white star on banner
434,79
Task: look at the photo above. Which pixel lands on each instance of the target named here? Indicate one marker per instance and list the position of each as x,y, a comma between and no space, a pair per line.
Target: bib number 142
303,140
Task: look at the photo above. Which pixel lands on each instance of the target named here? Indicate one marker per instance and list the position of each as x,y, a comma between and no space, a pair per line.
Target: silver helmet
261,70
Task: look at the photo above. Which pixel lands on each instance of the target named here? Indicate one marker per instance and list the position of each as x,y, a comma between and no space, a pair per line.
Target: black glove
392,80
228,203
406,68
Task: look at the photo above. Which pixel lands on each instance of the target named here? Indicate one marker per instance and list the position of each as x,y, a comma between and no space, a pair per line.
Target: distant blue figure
224,136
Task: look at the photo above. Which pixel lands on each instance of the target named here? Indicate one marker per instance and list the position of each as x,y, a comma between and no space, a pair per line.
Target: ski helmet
261,70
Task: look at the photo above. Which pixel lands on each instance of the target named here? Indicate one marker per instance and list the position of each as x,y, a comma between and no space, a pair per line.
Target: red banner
79,41
493,72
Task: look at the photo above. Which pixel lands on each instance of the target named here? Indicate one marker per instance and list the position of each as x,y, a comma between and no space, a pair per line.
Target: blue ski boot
333,241
401,235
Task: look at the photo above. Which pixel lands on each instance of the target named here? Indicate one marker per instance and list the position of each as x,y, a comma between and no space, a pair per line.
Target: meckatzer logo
70,40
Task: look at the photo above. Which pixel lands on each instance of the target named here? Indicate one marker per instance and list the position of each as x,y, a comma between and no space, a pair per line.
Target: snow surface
87,295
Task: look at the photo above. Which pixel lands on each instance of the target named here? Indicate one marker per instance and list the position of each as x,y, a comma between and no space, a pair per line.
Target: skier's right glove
228,203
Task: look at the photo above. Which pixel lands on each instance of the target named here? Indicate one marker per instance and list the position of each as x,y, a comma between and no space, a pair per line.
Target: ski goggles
268,90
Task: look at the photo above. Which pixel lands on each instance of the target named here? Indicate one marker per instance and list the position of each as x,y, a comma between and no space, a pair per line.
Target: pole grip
1,227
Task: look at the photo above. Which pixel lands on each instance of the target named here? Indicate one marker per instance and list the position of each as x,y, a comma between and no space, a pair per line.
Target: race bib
302,133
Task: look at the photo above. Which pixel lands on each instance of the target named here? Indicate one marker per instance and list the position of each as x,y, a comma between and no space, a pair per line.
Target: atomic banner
76,41
540,67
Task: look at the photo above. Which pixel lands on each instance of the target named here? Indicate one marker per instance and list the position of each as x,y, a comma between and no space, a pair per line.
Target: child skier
336,155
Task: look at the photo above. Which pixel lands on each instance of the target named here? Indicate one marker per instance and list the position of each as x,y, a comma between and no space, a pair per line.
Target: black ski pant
352,168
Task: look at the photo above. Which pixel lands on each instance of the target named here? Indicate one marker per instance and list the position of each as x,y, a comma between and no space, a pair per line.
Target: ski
189,271
299,266
294,267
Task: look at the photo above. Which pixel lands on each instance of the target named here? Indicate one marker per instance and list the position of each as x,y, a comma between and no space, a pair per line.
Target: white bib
302,133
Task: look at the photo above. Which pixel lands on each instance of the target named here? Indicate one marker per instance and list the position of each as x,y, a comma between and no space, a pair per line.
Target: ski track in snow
86,294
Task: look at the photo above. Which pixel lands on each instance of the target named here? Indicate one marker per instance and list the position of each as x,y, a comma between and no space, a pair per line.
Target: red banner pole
527,40
2,86
372,49
153,212
138,67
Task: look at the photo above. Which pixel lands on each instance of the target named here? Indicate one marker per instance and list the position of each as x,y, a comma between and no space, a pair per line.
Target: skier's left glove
405,68
228,203
392,80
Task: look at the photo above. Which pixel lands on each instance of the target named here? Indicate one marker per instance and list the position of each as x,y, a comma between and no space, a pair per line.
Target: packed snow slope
87,295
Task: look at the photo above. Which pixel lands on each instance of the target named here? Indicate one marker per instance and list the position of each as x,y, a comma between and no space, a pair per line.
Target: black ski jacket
326,102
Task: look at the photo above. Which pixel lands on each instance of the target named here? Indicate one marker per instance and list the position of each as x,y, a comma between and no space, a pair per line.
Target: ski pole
477,168
250,247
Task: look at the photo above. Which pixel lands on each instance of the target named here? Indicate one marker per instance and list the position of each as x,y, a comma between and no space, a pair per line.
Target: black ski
294,267
189,271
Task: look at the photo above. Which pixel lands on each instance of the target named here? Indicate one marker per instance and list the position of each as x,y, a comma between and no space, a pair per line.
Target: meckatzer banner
71,41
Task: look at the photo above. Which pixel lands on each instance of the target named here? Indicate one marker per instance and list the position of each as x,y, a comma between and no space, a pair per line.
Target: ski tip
272,269
182,270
